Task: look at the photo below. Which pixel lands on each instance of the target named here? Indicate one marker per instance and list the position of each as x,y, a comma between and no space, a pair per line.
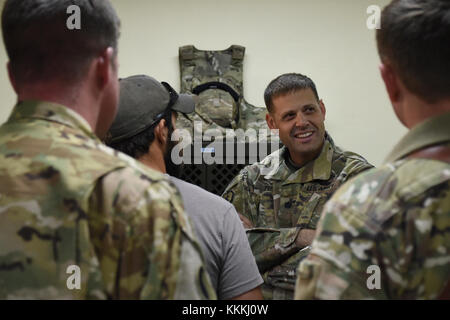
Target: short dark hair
287,83
137,145
415,38
41,47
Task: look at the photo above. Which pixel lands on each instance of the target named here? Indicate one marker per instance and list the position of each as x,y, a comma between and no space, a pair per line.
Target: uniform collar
318,169
53,112
430,132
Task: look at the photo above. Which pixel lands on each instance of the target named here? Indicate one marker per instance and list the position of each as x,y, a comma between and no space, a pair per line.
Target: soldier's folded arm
246,222
272,246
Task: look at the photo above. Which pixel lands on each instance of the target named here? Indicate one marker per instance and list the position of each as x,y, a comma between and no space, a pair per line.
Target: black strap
216,85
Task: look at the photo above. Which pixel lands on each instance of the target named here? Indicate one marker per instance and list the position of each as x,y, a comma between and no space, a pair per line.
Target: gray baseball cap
143,101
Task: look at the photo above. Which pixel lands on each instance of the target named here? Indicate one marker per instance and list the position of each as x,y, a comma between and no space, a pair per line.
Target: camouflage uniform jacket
280,201
68,200
216,109
386,233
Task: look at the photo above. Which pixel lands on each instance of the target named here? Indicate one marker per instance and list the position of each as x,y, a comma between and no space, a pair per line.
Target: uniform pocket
309,211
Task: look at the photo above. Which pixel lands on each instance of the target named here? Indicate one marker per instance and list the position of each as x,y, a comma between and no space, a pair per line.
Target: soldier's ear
161,132
11,77
390,81
104,65
322,107
270,121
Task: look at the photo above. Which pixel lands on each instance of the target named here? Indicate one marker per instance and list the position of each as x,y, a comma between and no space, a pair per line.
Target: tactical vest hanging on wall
216,78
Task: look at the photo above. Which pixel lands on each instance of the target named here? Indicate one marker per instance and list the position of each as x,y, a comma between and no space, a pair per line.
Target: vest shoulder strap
186,52
237,52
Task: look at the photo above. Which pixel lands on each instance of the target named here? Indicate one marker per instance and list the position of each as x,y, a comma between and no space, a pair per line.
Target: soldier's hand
305,237
245,222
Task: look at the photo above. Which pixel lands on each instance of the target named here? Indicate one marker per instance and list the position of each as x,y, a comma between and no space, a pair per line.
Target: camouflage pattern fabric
395,218
66,199
252,117
281,202
216,108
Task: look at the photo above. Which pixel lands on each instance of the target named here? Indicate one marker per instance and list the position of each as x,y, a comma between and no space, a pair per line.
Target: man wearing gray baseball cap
143,129
144,101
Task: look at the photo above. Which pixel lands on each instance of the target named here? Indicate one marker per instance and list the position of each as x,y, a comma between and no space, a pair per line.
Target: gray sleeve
240,273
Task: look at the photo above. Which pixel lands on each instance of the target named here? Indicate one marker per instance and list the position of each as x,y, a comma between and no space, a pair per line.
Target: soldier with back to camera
68,202
385,234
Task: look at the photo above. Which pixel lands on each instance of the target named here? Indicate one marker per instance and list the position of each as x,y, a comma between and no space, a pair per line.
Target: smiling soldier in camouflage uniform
280,198
386,233
65,198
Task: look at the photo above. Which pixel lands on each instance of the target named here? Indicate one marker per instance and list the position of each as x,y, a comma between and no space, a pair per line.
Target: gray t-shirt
229,259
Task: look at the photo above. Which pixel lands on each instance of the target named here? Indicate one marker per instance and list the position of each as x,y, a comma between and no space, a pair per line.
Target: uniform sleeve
355,166
239,194
239,273
139,238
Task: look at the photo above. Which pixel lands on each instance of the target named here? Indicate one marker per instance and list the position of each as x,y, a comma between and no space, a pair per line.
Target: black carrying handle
216,85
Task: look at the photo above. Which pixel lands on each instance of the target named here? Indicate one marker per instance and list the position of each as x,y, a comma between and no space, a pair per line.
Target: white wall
325,39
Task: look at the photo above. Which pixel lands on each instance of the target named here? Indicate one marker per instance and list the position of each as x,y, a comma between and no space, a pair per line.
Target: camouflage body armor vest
216,78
